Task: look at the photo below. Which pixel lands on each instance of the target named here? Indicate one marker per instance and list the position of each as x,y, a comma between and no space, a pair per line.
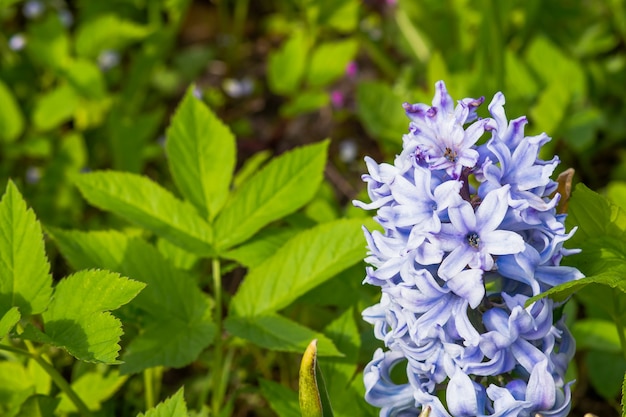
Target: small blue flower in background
470,233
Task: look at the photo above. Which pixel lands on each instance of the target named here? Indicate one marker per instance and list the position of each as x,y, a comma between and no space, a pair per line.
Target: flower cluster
471,232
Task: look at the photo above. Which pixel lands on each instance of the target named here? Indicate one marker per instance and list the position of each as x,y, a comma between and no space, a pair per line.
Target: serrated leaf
304,262
93,388
78,317
25,280
250,167
280,188
286,66
174,406
275,332
8,321
282,400
329,61
11,118
201,154
614,278
107,32
147,204
174,317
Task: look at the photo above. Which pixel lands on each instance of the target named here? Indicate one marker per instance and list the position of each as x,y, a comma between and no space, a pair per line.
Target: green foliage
174,406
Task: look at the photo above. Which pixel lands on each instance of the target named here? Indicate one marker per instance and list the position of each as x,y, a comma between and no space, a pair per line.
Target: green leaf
78,317
613,278
174,315
286,66
282,400
312,393
107,32
379,108
179,257
262,246
174,406
25,280
275,332
624,396
38,406
16,386
305,102
8,321
339,372
11,118
48,42
329,61
341,15
202,154
280,188
55,108
93,388
86,78
596,334
250,167
147,204
306,261
606,372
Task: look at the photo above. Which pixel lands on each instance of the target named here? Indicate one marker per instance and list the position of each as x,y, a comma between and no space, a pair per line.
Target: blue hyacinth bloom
470,233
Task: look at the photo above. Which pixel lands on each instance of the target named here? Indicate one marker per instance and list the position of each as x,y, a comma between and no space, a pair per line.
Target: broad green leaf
174,406
304,262
8,321
606,372
282,400
55,108
312,393
107,32
379,108
174,315
275,332
15,387
78,317
549,112
25,280
329,61
93,388
261,247
11,118
201,154
305,102
38,406
280,188
147,204
48,42
596,334
287,65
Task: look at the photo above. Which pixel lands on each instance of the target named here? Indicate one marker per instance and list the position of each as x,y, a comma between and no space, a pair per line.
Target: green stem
217,396
413,36
148,383
55,376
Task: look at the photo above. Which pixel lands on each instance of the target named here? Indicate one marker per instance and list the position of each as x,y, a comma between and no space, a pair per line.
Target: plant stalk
218,391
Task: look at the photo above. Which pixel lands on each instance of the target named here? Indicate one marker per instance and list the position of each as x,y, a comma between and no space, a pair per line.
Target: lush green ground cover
227,253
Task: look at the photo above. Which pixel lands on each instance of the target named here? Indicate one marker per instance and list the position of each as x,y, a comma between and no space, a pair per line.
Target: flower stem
55,376
216,373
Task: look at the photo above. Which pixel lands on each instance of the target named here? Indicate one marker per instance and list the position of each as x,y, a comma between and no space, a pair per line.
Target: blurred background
88,85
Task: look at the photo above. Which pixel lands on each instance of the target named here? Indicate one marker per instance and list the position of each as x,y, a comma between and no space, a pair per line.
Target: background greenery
91,85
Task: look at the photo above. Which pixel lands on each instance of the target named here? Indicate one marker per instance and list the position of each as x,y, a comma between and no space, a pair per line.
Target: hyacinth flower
470,233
